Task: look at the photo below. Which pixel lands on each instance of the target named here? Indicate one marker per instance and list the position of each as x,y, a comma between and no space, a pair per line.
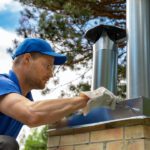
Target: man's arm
39,112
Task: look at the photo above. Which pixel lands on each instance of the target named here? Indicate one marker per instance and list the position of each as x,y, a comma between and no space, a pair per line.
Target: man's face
40,71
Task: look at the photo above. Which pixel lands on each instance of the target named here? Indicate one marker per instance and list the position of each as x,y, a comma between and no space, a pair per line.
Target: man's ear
27,57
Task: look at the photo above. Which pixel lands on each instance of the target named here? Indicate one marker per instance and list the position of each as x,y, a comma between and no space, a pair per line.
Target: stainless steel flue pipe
105,55
104,63
138,51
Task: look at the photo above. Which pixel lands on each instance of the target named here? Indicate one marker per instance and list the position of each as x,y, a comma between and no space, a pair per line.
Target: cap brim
59,59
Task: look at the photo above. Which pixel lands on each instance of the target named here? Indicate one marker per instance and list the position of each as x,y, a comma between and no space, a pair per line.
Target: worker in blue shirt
33,63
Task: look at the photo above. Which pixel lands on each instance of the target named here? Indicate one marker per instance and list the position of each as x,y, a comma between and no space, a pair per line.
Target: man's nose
50,73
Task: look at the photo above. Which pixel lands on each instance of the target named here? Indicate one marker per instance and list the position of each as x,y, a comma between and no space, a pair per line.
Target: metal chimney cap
114,33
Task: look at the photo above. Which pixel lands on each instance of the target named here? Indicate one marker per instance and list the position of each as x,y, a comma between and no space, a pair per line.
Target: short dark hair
35,55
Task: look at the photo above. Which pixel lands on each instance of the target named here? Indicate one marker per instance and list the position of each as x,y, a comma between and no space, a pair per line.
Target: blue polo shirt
9,84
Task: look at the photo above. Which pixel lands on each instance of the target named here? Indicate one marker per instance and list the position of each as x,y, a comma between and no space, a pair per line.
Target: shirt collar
14,78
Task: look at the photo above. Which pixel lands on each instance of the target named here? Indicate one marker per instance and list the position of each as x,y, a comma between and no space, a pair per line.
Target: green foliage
37,140
105,8
80,87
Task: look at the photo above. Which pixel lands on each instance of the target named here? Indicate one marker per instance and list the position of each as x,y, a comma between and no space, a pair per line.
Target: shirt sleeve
7,86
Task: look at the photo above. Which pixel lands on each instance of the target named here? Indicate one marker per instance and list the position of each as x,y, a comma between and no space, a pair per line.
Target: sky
9,20
9,14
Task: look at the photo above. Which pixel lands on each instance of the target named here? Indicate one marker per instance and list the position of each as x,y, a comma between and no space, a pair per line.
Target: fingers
59,124
83,95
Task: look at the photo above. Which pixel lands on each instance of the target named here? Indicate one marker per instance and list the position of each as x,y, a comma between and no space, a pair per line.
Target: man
33,64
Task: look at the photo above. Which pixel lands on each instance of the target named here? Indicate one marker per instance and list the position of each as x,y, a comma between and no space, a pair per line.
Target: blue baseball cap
41,46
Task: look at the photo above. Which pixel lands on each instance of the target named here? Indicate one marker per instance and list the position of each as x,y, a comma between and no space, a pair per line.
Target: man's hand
100,97
59,124
85,96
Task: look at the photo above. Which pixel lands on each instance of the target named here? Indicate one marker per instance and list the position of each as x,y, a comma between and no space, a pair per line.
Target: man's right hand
84,96
59,124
